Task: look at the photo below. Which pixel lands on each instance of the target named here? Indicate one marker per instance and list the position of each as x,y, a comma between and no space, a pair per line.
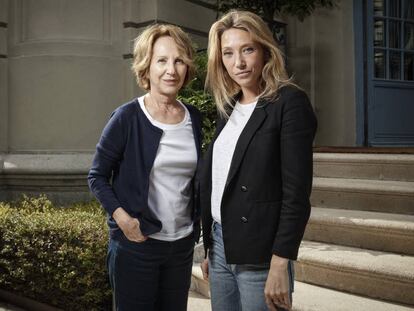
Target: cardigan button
244,219
243,188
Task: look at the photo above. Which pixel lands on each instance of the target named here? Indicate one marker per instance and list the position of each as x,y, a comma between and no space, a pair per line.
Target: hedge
55,255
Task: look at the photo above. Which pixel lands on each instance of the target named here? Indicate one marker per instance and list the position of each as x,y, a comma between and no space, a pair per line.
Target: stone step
307,297
197,302
199,252
198,284
368,230
373,274
363,194
364,166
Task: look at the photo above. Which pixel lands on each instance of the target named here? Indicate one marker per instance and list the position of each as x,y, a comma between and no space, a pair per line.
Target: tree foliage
268,8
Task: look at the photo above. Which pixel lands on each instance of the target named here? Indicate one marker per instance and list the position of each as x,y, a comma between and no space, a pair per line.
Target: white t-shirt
170,187
223,151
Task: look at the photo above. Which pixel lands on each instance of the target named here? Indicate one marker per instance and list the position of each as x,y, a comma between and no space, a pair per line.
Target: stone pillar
321,56
3,93
3,77
335,76
65,61
65,77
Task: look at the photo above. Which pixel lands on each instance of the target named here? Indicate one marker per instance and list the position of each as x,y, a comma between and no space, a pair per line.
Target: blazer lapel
258,116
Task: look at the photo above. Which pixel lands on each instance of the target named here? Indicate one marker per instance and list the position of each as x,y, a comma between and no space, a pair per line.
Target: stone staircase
358,250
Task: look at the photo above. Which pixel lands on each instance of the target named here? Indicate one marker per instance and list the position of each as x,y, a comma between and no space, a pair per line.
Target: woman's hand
129,225
277,285
204,269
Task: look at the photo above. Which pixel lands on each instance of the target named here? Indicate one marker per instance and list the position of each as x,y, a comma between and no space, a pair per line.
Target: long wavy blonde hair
219,82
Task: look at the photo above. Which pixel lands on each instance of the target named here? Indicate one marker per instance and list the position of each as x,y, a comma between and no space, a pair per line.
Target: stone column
3,92
65,77
321,56
3,78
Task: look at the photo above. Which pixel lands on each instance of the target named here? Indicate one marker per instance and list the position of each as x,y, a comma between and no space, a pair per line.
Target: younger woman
257,174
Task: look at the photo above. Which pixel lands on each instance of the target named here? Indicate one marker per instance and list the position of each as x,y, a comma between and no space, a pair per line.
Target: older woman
257,174
143,175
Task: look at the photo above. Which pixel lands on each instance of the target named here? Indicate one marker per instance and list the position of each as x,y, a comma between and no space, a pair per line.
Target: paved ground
8,307
196,302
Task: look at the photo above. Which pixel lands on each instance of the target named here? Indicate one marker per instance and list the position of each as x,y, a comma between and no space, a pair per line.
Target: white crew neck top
223,151
170,187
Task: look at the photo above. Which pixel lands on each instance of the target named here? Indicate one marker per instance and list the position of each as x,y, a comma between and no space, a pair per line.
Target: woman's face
167,69
242,57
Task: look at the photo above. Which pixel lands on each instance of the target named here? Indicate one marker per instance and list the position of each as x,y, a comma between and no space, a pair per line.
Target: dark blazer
125,153
265,204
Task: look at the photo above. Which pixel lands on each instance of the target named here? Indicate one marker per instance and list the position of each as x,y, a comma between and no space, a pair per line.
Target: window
393,39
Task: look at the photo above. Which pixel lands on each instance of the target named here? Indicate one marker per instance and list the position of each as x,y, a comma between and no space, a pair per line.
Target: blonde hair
219,82
143,46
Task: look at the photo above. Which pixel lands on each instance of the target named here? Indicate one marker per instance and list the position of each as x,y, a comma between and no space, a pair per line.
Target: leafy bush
194,94
55,255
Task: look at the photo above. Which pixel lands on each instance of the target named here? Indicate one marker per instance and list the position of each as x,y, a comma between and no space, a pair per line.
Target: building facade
65,65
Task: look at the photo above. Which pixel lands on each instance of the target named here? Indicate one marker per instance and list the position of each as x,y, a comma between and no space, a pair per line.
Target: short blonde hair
143,46
219,82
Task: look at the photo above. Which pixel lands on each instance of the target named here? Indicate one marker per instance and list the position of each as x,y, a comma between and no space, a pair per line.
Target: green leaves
55,255
267,8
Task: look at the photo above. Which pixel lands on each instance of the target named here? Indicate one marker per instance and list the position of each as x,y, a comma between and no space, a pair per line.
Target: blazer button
244,219
243,188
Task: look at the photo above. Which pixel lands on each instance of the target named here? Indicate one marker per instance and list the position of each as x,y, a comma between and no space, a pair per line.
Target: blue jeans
236,287
152,275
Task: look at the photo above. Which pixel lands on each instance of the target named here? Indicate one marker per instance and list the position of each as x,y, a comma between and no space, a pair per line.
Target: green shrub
55,255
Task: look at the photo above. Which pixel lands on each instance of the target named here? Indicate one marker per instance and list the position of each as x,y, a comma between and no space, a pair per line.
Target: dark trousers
152,275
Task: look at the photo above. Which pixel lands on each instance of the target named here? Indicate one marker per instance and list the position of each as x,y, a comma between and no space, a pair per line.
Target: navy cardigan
125,153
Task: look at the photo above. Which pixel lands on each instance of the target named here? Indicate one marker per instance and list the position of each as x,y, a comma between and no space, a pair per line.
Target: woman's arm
109,152
297,133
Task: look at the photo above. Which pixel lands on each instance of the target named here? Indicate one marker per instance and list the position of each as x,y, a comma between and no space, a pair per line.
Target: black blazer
265,204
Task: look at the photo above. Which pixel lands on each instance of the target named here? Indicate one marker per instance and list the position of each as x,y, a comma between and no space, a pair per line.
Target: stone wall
321,56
